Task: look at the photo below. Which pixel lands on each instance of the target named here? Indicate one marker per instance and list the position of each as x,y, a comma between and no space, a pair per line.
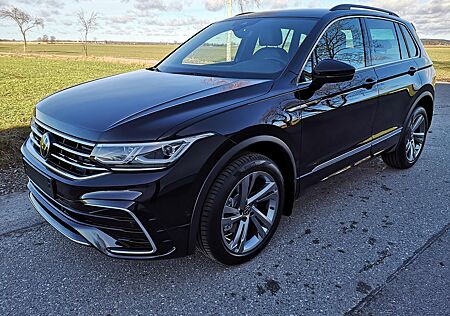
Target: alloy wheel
416,139
249,212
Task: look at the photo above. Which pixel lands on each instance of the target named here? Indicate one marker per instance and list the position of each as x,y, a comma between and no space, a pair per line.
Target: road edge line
369,297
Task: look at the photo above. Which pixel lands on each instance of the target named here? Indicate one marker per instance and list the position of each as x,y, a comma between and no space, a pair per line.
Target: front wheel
242,209
411,144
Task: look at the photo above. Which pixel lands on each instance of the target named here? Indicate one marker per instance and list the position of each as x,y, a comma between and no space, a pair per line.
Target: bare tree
343,39
244,3
87,23
24,20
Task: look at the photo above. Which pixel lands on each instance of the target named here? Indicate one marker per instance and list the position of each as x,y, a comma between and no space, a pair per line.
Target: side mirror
331,71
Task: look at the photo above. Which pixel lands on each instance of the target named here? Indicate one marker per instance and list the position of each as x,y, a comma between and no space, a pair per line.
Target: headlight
156,155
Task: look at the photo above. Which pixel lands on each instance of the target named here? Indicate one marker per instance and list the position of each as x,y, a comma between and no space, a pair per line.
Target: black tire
211,239
399,158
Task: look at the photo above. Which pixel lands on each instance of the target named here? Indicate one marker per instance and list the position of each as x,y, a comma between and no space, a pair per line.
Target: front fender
226,153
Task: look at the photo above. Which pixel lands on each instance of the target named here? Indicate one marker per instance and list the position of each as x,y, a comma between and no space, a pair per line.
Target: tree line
86,21
27,22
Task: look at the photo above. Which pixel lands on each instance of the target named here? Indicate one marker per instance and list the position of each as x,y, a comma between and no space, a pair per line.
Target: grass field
24,80
149,52
441,59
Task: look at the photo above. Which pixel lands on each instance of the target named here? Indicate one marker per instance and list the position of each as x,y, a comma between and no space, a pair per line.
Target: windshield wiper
154,68
192,74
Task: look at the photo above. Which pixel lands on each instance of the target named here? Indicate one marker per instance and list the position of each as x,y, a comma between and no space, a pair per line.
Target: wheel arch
274,147
425,98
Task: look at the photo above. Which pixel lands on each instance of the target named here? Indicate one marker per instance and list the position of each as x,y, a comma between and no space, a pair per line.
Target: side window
342,41
401,40
385,47
412,47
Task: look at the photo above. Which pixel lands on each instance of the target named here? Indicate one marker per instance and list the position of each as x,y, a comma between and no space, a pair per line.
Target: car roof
326,14
307,13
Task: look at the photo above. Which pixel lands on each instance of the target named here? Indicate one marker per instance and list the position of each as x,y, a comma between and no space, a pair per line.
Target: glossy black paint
153,102
300,128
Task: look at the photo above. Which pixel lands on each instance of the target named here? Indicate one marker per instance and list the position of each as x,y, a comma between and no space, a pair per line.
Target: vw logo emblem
45,145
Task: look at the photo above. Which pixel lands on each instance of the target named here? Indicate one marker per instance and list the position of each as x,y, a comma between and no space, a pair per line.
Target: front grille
67,154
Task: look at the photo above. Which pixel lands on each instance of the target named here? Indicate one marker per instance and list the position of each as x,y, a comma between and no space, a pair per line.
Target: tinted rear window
412,47
401,40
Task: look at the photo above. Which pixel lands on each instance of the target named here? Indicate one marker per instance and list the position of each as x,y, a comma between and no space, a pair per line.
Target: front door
337,119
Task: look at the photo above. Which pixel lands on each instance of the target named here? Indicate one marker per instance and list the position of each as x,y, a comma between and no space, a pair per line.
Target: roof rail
243,13
359,6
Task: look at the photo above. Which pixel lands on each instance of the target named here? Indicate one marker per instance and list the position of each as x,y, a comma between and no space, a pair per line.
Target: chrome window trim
352,17
417,46
353,152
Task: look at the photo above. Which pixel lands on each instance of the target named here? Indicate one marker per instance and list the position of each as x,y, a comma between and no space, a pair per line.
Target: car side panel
337,120
397,88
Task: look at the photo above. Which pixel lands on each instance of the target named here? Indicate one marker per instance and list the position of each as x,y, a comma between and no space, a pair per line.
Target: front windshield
249,48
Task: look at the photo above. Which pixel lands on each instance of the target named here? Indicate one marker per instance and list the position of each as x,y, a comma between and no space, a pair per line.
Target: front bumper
111,244
124,215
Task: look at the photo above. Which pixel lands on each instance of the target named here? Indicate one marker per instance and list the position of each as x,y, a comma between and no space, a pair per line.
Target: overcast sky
172,20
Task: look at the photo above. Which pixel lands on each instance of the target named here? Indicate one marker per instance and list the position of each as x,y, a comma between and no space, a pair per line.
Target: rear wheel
411,144
242,209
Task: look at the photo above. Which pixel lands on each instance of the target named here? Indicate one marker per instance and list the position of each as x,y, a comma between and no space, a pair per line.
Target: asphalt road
373,240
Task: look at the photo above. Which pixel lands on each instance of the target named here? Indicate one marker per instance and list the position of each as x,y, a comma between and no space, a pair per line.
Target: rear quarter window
401,40
412,47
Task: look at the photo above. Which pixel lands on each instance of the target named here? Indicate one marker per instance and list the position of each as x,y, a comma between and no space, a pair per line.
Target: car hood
141,105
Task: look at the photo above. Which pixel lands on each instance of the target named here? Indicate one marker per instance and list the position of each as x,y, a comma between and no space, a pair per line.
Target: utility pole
230,14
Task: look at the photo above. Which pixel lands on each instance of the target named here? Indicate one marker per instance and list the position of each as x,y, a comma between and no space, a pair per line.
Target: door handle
369,83
412,70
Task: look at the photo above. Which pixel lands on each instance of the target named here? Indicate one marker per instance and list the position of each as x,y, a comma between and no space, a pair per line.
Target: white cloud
122,19
431,18
167,20
279,4
160,5
43,3
214,5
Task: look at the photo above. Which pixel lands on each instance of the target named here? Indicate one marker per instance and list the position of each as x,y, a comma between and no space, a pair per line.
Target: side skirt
335,167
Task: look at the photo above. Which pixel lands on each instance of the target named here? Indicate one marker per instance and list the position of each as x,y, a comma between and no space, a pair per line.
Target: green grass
26,80
441,59
148,52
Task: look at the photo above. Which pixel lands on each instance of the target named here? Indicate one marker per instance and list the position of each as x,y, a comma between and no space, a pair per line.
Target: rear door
397,80
337,119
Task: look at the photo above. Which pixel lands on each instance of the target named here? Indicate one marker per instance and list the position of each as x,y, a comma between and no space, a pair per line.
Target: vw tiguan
211,147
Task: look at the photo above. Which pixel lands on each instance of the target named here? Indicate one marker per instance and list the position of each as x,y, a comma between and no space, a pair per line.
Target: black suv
212,146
